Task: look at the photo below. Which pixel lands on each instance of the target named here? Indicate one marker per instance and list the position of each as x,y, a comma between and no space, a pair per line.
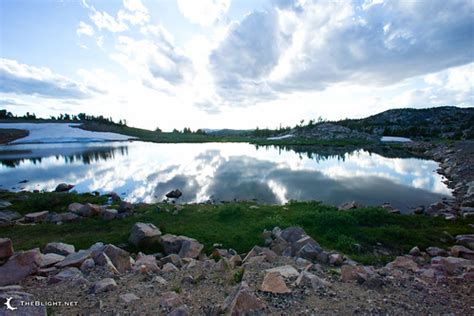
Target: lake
145,172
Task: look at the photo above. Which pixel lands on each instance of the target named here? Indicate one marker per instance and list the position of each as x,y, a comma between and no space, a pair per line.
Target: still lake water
145,172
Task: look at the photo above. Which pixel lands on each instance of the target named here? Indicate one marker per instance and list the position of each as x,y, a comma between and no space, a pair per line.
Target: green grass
238,226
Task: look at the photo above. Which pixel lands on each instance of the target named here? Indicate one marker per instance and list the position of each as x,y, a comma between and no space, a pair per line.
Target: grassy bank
239,226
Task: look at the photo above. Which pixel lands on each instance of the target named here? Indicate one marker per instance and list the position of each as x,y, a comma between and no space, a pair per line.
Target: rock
104,285
119,257
242,301
292,234
8,216
74,259
103,260
127,298
266,253
306,248
221,265
6,248
88,265
59,248
175,194
172,258
308,279
146,264
144,235
4,204
235,261
16,299
109,214
466,240
169,267
415,251
285,271
273,282
74,207
462,252
419,210
449,265
184,246
336,259
69,217
67,274
125,207
19,266
435,251
170,299
349,206
356,273
160,280
63,187
36,217
89,210
50,259
403,263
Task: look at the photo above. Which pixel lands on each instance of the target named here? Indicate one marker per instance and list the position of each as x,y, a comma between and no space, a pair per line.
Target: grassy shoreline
239,225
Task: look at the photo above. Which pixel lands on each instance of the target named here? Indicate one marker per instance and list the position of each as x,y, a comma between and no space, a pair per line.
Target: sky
234,63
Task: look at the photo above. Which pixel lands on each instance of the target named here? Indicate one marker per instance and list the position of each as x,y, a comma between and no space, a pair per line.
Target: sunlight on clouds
203,12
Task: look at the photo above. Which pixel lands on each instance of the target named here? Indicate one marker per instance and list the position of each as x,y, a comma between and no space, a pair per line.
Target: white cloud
84,29
203,12
103,20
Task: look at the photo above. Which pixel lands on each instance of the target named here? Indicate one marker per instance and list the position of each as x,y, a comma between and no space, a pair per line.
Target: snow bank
61,133
281,137
395,139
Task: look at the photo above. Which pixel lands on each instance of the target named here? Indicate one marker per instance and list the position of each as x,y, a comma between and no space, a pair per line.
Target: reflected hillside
13,157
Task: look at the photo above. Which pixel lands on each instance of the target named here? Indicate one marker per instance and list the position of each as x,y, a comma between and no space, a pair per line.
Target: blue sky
234,63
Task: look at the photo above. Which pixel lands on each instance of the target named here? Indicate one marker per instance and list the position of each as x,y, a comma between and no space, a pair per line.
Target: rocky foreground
291,275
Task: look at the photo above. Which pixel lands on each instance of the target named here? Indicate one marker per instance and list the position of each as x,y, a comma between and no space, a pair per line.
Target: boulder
306,248
125,207
435,252
89,210
169,267
450,265
69,217
146,264
415,251
356,273
63,187
273,282
50,259
119,257
144,235
4,204
74,207
466,240
235,261
19,266
59,248
308,279
74,259
171,243
175,194
179,311
67,274
101,259
172,258
8,216
349,206
242,301
104,285
403,263
462,252
336,259
6,248
257,251
88,265
184,246
36,217
292,234
285,271
109,214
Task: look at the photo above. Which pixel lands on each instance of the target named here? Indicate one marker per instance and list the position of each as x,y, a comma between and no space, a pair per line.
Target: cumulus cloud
23,79
84,29
203,12
309,45
153,59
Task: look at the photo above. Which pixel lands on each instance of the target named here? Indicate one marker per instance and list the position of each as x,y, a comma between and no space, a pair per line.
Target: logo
9,305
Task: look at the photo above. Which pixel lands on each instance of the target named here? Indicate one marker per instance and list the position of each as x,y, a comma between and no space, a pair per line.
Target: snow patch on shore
61,133
281,137
395,139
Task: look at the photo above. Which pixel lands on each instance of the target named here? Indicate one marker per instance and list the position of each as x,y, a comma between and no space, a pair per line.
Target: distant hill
440,122
227,132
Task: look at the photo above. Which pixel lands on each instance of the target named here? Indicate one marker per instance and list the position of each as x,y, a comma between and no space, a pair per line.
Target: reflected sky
146,172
